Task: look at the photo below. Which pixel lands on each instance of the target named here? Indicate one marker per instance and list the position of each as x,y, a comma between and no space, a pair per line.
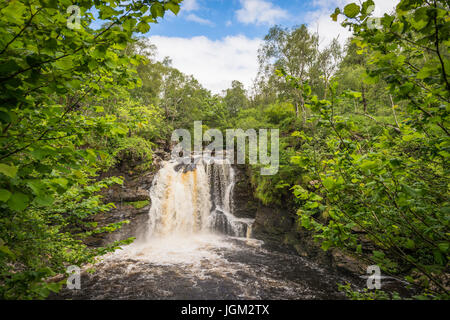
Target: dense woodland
364,132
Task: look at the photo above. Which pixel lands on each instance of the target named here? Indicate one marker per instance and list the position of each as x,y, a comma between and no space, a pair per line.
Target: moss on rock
139,204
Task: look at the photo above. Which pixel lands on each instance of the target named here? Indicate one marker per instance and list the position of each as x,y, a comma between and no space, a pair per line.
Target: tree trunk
302,103
364,101
393,111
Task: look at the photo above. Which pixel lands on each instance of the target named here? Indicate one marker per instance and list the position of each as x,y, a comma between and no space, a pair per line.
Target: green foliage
133,149
351,10
367,294
280,112
235,98
55,84
388,186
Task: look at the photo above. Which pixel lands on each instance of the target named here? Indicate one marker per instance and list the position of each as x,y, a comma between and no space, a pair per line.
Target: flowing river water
195,248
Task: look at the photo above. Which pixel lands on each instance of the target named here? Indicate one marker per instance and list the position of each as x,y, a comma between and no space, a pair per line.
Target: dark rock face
244,203
224,226
127,193
221,223
278,228
137,217
134,189
274,222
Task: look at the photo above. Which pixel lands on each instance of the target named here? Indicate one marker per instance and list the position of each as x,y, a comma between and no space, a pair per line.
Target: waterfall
195,198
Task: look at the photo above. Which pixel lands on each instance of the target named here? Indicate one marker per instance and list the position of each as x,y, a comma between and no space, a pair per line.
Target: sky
217,41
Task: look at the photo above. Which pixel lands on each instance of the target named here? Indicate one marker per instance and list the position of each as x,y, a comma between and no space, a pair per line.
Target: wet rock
135,195
178,167
245,205
137,218
145,181
128,199
118,194
277,227
346,262
190,167
186,167
272,221
221,223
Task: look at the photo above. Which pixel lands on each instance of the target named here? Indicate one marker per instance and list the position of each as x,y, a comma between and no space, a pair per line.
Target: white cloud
384,6
319,19
190,5
194,18
215,64
260,12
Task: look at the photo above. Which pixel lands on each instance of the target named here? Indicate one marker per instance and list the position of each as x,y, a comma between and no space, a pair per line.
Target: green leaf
143,27
49,3
443,246
107,12
425,72
4,195
18,201
326,245
44,200
410,244
395,162
366,5
336,13
54,287
7,170
329,183
129,24
355,94
65,63
351,10
13,12
40,153
305,221
438,257
369,164
157,10
410,191
378,254
62,181
7,251
9,66
175,8
36,185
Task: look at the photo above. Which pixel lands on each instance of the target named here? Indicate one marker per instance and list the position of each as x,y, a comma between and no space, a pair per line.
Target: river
195,248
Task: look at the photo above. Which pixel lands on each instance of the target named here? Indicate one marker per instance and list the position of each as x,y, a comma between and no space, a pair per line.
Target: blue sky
216,19
217,41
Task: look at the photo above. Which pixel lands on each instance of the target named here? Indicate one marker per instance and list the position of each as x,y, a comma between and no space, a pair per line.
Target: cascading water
195,198
196,248
221,184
